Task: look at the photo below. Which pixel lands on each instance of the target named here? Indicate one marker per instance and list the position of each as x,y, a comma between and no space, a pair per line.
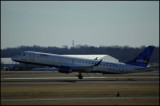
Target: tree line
122,53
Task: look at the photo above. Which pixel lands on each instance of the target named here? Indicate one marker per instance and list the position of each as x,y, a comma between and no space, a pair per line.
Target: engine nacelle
64,69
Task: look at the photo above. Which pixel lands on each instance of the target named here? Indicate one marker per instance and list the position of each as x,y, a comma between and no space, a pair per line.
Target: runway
78,98
21,78
75,80
51,78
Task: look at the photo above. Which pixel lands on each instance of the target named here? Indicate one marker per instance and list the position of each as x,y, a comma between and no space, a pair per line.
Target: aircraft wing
85,68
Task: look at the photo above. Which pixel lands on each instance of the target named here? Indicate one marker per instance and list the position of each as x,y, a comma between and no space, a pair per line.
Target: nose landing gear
80,76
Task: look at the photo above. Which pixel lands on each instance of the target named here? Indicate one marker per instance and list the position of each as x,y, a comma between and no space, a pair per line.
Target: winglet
98,63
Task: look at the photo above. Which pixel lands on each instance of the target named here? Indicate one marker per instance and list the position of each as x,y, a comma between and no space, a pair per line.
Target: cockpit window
23,54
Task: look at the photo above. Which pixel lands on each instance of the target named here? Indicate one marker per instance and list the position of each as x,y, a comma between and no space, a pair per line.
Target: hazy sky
94,23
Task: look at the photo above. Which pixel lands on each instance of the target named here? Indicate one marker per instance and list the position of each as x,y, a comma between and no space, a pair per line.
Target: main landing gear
80,76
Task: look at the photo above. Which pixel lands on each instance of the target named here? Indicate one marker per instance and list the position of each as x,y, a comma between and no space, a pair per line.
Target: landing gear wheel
80,76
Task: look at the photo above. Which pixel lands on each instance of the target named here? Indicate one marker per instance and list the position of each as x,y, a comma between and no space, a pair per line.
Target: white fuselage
55,60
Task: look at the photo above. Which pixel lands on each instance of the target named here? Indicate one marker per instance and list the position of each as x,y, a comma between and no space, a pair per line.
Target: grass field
153,102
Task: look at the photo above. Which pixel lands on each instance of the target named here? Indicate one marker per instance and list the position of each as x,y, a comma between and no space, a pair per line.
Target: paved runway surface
77,98
72,82
74,77
75,80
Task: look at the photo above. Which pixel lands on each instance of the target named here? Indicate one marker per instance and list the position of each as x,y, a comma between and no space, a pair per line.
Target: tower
72,43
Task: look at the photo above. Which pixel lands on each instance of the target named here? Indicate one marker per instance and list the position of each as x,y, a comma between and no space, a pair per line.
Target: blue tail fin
143,58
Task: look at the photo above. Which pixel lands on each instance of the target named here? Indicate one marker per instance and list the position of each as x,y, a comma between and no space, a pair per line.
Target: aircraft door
32,57
73,61
120,68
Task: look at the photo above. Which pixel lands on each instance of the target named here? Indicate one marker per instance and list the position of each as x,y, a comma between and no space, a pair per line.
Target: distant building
7,64
98,57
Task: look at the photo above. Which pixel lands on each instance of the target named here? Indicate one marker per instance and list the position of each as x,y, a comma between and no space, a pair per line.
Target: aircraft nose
14,58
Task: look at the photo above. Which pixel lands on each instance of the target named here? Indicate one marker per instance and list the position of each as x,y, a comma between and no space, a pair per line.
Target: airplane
68,64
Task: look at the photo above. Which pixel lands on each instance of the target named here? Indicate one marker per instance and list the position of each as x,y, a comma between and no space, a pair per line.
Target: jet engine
65,69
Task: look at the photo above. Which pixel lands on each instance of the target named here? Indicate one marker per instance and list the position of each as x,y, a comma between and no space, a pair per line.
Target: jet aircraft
68,64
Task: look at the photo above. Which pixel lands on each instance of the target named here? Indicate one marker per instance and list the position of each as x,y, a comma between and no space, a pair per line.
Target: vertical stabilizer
143,58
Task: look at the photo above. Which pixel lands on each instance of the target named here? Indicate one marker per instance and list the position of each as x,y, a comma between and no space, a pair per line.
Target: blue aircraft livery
143,58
